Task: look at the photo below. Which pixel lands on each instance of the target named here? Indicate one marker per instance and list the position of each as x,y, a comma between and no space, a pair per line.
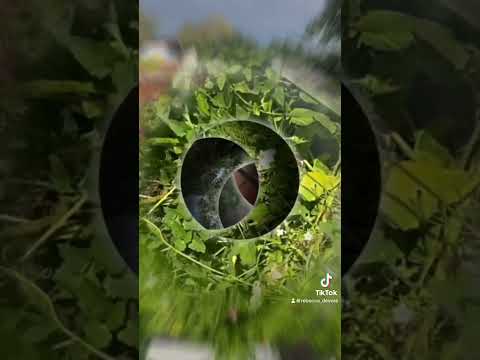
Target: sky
263,20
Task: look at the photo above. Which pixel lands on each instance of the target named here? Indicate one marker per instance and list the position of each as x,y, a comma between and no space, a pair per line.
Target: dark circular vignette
118,183
361,179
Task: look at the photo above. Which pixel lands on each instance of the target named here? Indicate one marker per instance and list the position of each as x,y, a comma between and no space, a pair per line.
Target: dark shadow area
361,179
119,180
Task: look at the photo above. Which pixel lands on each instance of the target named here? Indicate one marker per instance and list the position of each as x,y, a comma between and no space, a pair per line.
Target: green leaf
247,72
202,104
180,244
426,147
49,88
234,69
163,141
297,140
387,41
92,109
416,190
242,87
162,111
116,315
219,100
442,40
256,109
376,86
178,127
227,96
378,21
315,183
209,84
393,31
162,106
272,75
197,245
177,230
221,79
325,121
386,30
247,250
181,236
97,334
96,57
129,335
121,288
259,213
303,117
318,165
267,105
74,258
279,95
124,76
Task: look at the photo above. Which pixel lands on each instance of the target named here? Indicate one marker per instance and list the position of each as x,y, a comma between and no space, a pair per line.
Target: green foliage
236,293
403,300
417,188
64,295
402,32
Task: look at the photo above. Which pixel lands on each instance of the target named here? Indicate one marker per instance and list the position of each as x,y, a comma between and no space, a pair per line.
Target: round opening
240,178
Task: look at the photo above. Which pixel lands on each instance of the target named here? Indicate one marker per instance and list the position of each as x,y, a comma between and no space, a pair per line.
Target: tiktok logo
326,281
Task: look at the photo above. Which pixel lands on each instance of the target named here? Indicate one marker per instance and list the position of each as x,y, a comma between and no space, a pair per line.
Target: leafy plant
234,293
64,296
403,300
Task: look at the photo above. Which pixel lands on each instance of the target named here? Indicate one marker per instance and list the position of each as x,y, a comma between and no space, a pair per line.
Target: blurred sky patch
263,20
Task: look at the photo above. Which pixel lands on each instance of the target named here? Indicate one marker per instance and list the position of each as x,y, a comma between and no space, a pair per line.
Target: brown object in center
247,182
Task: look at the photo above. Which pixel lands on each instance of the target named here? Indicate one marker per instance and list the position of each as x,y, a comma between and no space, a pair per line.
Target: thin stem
250,106
13,219
63,344
162,199
310,167
406,149
55,226
330,195
52,312
31,182
155,229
